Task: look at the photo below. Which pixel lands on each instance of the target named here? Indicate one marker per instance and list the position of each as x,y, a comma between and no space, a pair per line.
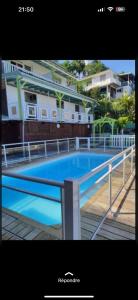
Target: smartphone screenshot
69,84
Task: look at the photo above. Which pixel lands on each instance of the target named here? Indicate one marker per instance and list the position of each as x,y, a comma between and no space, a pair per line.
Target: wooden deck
118,226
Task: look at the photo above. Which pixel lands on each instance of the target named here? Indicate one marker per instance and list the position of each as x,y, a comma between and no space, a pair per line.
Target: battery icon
120,9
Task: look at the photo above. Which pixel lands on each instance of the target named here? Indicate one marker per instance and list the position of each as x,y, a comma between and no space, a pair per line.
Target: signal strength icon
110,8
101,9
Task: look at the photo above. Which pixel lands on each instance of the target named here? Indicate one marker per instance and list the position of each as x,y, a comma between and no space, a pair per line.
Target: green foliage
78,67
102,106
94,67
75,66
56,77
95,93
105,106
84,103
122,121
121,107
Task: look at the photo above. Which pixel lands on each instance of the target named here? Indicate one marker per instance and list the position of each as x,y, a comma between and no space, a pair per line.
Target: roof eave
56,88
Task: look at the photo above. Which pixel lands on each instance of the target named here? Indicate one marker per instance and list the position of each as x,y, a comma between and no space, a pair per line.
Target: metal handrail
31,193
34,179
102,166
111,169
41,141
105,175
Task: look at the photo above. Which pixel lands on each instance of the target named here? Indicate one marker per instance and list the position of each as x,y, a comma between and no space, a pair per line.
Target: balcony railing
104,82
42,113
56,115
127,83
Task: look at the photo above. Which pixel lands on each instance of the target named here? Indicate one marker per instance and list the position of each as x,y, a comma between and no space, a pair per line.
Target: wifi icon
110,8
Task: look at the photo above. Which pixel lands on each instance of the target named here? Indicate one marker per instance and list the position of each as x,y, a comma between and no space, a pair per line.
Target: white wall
34,66
42,101
45,101
125,89
50,103
40,70
97,82
12,99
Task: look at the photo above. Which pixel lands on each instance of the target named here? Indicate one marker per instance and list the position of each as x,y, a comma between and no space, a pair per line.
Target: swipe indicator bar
70,296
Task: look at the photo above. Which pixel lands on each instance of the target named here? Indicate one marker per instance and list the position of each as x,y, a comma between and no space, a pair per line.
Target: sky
119,65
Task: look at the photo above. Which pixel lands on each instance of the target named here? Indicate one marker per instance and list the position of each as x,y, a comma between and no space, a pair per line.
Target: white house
31,87
111,84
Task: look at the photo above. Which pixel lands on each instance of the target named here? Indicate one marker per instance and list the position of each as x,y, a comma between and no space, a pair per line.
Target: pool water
42,210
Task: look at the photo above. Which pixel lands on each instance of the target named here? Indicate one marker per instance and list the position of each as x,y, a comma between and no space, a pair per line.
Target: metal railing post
77,143
88,143
68,144
58,146
110,184
29,152
104,144
45,148
62,212
71,210
131,160
112,138
124,163
5,156
122,141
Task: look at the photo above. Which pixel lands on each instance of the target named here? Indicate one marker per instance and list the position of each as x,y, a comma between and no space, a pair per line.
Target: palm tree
122,121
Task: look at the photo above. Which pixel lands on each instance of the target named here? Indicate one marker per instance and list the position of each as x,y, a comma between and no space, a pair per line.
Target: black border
30,268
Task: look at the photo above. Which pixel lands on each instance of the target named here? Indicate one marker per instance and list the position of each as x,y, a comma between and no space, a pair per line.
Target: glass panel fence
116,181
37,150
63,146
72,144
15,153
83,143
97,142
52,147
30,200
94,202
127,167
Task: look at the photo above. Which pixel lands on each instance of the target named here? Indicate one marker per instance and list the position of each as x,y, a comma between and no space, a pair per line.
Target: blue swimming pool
45,211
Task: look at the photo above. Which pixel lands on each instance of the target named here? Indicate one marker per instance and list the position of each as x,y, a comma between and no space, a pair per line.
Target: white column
77,143
88,143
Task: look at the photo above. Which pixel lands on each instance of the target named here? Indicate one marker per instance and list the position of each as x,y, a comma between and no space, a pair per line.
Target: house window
13,109
4,99
62,104
30,98
79,117
17,64
31,111
102,77
54,113
28,68
77,108
44,113
119,90
73,117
